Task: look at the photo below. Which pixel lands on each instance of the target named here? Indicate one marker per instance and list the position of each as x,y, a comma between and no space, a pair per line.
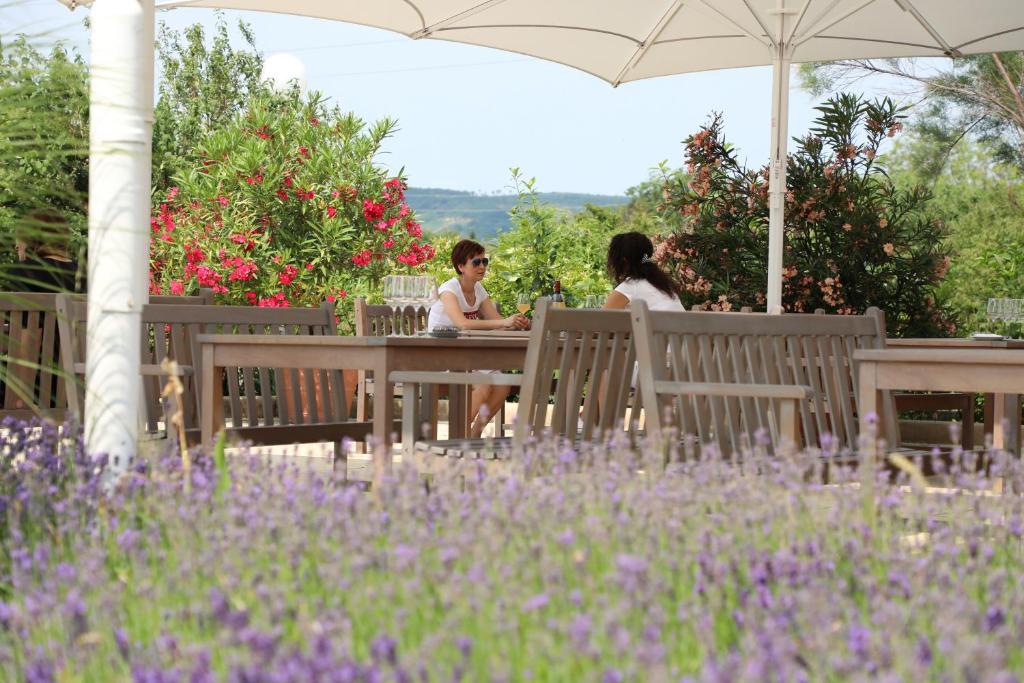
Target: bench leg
428,410
410,421
870,402
967,418
789,426
1006,422
361,398
212,406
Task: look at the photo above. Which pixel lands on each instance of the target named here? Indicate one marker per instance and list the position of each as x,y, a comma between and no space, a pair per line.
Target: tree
44,119
978,95
644,212
981,203
201,89
853,239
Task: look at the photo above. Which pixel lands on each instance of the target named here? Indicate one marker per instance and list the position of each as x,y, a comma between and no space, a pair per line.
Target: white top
437,316
642,290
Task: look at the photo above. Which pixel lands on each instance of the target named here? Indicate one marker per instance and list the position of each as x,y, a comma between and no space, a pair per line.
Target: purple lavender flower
537,602
994,618
40,670
612,676
385,650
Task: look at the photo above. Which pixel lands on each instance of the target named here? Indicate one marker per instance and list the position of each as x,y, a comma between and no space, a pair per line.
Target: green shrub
545,244
44,119
981,203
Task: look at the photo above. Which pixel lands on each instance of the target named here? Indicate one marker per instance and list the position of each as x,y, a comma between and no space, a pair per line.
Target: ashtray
987,336
445,332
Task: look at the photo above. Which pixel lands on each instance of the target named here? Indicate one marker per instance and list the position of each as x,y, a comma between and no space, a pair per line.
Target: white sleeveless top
642,290
438,318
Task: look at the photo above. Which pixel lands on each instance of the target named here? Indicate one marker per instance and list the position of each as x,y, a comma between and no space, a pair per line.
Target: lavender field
600,566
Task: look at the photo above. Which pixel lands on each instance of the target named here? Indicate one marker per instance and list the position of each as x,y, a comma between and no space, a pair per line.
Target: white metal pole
777,177
120,150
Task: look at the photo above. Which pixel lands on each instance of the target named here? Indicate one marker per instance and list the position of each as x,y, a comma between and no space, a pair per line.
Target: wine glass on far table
424,291
389,290
524,303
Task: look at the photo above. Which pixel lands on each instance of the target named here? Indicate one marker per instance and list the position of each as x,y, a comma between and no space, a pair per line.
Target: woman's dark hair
463,251
631,257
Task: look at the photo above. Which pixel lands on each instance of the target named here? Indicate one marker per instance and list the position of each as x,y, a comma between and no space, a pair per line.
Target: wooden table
997,371
998,407
381,355
954,343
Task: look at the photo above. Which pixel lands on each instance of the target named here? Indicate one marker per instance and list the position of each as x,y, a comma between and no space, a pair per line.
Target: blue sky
468,114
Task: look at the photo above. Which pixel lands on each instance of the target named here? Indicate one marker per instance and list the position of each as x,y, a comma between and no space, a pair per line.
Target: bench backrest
380,320
578,355
814,351
204,297
257,397
32,379
31,382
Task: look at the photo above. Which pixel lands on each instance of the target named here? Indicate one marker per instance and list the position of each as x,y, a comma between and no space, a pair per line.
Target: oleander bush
853,238
285,206
603,564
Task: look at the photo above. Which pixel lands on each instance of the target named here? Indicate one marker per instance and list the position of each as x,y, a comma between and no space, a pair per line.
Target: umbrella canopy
621,41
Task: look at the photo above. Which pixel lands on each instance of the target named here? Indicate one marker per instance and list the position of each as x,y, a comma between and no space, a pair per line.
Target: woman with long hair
637,277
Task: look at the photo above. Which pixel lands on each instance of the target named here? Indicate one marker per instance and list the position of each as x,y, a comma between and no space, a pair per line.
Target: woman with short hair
464,303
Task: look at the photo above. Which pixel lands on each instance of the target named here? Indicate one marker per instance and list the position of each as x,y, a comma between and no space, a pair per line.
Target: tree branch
1010,86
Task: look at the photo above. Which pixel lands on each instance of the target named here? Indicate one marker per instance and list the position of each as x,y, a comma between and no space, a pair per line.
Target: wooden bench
944,402
574,355
31,382
732,379
265,405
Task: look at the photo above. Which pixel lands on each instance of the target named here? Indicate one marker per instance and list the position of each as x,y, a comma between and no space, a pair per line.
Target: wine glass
389,290
990,309
523,303
424,290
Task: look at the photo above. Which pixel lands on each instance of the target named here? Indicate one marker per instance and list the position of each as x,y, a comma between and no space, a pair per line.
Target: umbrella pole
120,152
777,177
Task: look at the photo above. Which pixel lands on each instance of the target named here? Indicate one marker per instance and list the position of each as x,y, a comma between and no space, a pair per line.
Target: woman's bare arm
492,322
616,300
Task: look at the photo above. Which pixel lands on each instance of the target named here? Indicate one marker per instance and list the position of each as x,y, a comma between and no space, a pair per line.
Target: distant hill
482,215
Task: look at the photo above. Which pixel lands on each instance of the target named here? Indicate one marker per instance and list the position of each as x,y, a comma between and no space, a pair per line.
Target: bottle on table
557,300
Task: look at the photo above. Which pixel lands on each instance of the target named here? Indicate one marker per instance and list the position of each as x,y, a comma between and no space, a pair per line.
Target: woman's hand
517,321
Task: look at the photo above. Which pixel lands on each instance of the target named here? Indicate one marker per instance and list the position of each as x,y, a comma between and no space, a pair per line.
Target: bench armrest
149,370
498,379
735,390
788,396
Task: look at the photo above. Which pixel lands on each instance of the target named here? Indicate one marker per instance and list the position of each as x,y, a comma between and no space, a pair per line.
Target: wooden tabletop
956,343
952,356
295,340
513,334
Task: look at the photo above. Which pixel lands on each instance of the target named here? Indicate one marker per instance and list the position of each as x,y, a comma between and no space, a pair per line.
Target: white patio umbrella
618,41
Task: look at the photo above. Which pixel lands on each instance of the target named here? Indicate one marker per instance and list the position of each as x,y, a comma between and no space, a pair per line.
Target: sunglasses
477,262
